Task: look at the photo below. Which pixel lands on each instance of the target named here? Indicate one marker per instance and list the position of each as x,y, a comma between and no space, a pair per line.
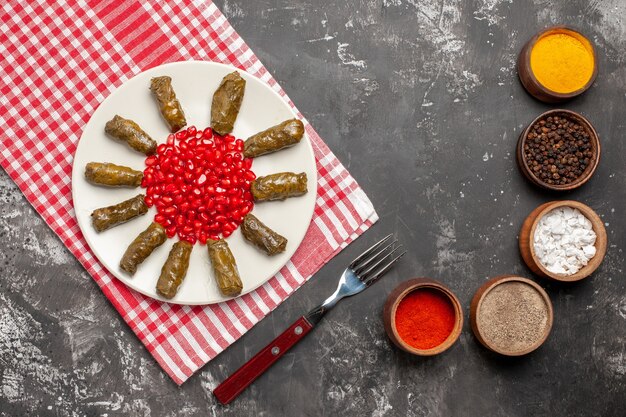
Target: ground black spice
513,317
558,150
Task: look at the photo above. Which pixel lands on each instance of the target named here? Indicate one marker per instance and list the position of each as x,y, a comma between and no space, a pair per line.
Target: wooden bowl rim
600,244
528,47
480,295
589,171
411,285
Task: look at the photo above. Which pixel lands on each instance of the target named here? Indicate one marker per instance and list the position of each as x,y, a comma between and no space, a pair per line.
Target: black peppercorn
558,150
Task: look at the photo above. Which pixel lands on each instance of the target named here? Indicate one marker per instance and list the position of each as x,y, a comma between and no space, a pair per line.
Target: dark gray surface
420,100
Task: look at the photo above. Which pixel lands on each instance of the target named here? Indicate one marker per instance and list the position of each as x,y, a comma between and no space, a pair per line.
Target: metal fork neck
314,316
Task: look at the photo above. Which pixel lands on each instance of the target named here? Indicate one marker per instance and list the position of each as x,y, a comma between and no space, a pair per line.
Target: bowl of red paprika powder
423,317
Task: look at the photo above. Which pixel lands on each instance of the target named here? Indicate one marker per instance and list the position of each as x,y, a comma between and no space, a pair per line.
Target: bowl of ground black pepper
423,317
559,150
511,315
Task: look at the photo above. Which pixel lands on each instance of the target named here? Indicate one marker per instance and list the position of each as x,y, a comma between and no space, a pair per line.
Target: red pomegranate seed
151,160
180,220
170,231
170,210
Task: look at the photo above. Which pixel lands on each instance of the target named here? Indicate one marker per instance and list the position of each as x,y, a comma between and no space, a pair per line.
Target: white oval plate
194,83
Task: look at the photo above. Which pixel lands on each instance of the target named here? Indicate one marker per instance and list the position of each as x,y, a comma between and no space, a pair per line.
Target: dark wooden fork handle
251,370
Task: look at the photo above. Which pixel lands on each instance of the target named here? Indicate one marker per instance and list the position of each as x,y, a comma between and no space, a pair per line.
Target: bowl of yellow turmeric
557,64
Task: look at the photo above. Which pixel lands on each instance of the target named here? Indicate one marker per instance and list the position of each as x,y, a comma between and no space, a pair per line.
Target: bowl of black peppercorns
559,150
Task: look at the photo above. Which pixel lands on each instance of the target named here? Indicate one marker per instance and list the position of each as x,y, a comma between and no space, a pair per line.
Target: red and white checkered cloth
59,62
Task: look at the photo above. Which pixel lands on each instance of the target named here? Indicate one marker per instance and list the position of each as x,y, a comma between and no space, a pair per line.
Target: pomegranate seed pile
199,183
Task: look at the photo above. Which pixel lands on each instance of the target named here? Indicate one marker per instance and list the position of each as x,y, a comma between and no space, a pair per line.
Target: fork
364,271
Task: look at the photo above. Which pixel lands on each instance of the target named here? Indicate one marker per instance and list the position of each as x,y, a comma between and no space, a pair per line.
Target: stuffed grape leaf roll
279,186
143,245
107,217
227,102
261,236
169,105
174,269
126,130
281,136
111,175
224,268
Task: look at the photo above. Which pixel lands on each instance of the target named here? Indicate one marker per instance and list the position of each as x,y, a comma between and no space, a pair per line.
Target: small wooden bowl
587,173
391,305
475,317
527,236
530,82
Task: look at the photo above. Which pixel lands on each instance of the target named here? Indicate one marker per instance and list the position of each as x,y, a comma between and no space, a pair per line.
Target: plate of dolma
129,125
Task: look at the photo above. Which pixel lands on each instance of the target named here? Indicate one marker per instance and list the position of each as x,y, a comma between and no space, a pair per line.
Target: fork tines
372,264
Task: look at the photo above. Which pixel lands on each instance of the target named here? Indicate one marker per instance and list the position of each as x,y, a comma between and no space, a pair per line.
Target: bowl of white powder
563,240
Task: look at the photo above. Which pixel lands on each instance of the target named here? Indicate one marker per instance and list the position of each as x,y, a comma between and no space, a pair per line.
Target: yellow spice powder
562,62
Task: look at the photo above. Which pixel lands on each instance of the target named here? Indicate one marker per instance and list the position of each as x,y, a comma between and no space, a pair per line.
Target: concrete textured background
421,101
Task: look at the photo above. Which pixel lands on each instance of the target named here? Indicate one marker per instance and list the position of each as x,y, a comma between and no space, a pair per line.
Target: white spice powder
564,240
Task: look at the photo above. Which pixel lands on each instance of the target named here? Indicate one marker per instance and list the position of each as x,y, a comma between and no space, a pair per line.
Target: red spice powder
425,318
